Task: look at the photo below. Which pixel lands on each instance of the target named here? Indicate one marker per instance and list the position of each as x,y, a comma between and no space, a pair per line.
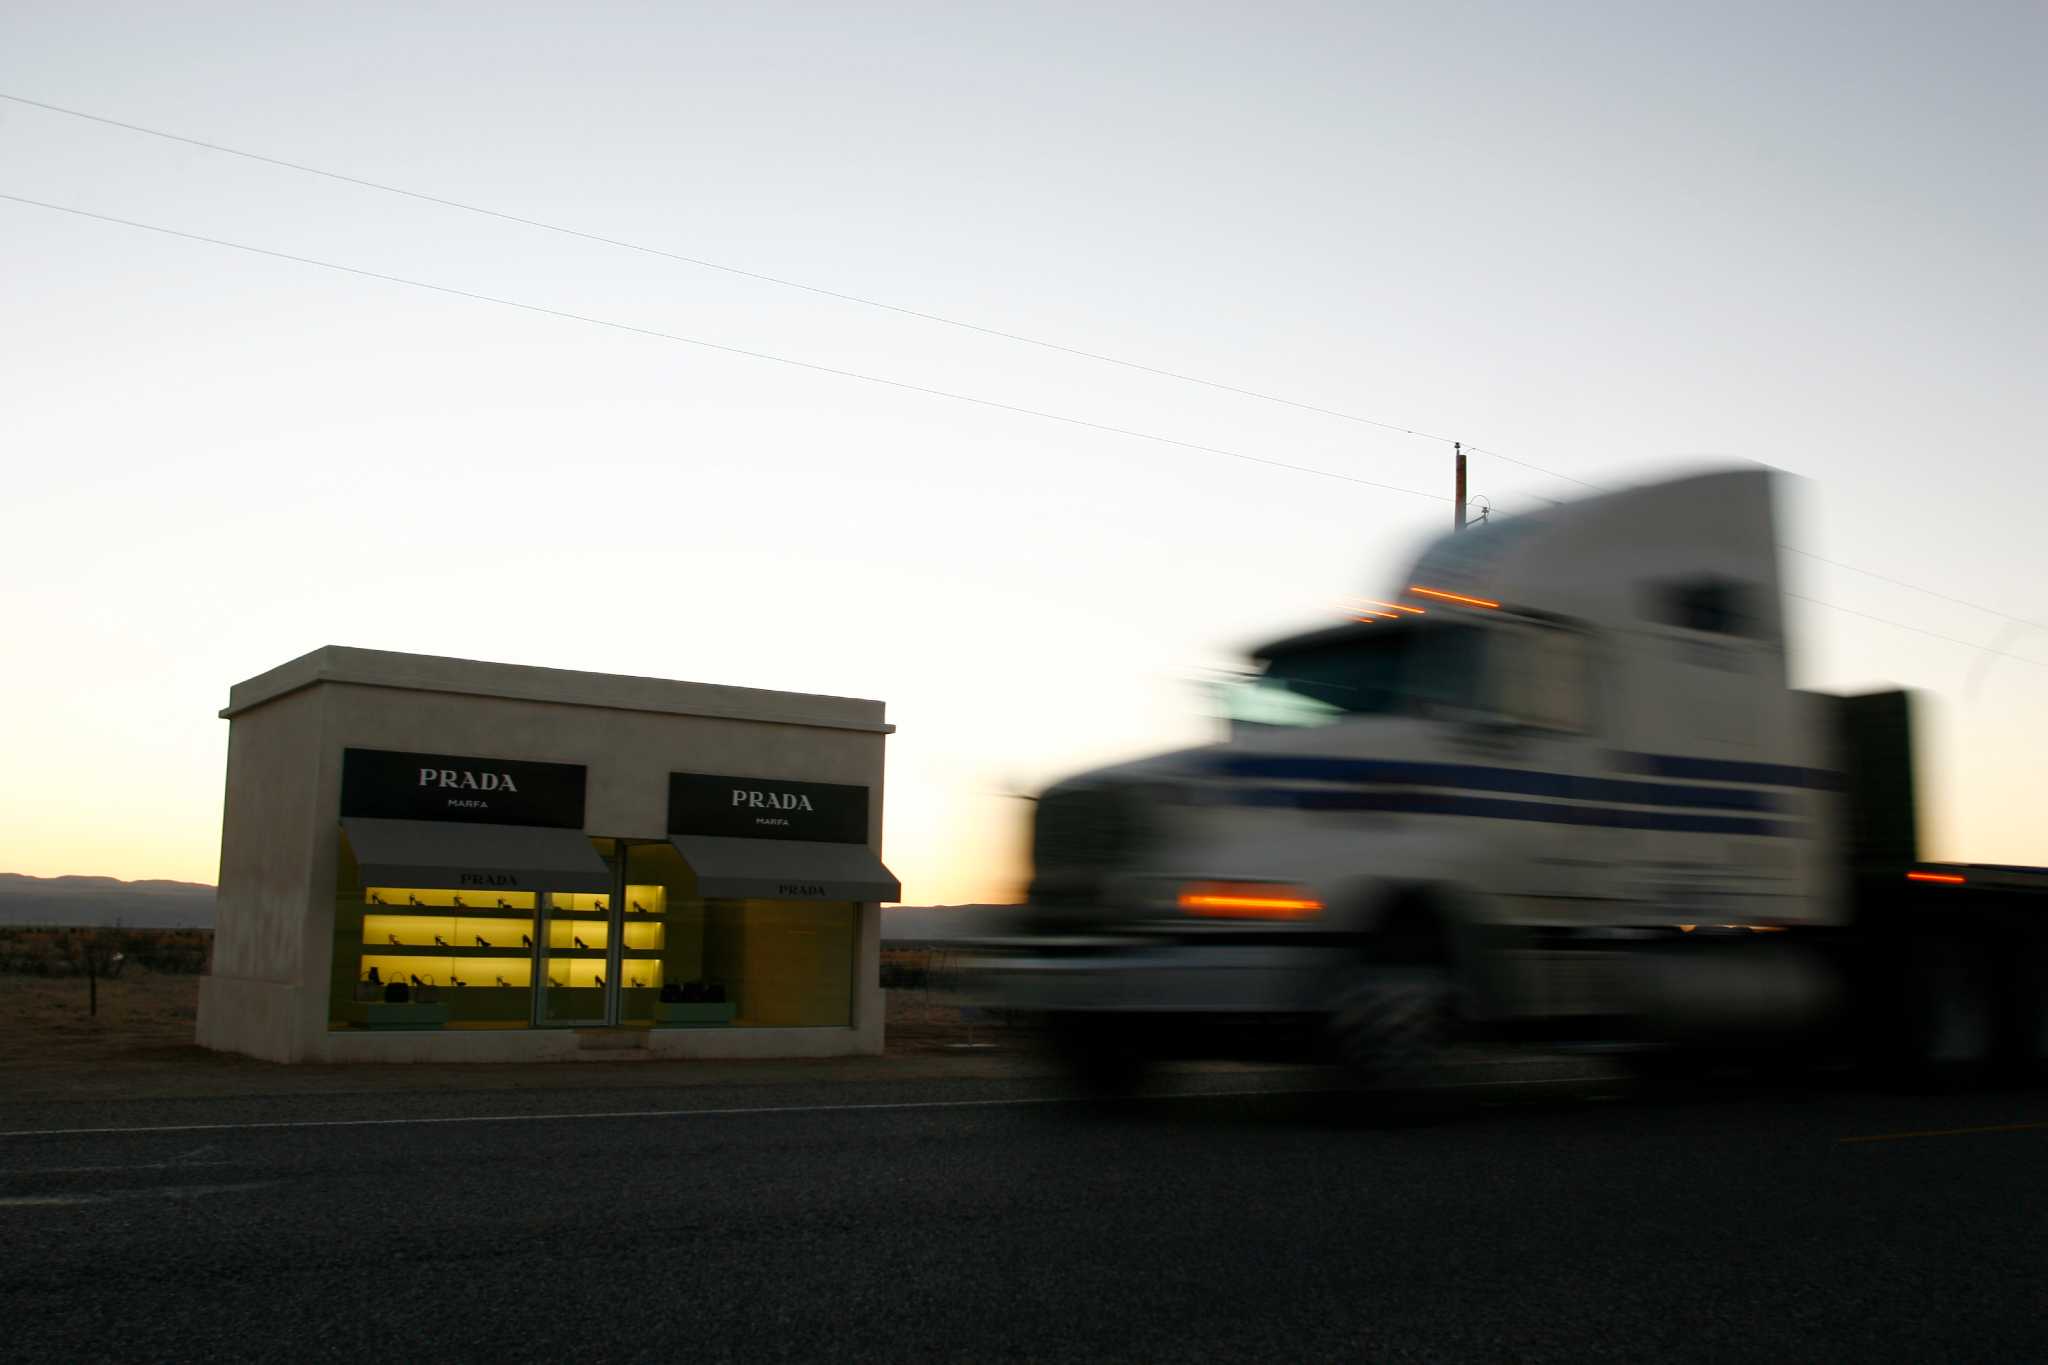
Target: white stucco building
439,859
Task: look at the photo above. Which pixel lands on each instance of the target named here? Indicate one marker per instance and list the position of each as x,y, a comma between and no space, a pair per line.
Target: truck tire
1391,1026
2024,1050
1104,1055
1947,1033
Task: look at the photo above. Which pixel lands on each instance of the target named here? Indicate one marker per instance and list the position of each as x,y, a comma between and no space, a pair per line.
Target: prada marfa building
429,859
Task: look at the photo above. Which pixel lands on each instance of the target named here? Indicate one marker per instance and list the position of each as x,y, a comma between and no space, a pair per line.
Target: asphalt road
987,1223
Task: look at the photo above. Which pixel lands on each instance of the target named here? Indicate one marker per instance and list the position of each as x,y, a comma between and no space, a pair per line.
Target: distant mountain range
78,902
907,925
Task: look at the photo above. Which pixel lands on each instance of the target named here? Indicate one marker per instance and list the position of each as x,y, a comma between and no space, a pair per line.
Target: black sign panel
767,808
382,784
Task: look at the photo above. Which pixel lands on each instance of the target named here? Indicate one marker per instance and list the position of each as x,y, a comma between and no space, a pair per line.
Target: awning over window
460,857
785,869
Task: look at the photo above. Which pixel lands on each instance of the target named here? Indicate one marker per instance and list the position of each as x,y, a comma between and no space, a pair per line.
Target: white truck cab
1560,750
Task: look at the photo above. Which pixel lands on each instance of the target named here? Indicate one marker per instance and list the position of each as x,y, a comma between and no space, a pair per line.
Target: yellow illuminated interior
476,933
577,936
516,959
410,900
454,973
474,948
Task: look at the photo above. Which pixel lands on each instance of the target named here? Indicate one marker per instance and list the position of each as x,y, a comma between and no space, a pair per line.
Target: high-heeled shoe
579,943
394,940
440,942
482,942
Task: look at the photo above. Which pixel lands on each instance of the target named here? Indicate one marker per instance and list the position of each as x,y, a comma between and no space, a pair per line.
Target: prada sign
767,808
387,785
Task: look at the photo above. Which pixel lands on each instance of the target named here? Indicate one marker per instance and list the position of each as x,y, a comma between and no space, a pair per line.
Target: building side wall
267,840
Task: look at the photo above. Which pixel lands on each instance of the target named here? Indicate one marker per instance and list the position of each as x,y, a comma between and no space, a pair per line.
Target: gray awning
427,853
785,869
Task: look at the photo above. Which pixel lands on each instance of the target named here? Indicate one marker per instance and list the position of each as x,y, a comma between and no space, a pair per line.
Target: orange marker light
1248,900
1944,878
1454,597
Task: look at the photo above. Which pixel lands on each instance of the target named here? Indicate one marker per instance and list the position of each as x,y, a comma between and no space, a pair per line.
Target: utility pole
1458,514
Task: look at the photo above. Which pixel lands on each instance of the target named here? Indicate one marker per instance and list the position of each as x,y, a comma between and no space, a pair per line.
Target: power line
900,384
1555,474
877,379
776,280
821,291
1914,587
729,350
783,282
1917,630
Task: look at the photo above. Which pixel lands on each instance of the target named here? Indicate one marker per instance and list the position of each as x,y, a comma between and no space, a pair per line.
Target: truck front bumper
1138,975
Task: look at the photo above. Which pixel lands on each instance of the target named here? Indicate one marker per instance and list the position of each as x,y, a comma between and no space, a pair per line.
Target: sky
1611,240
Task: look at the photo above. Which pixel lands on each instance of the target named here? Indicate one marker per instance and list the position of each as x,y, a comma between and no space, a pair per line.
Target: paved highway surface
985,1222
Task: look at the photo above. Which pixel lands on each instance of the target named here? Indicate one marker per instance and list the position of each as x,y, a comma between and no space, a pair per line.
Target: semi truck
1554,785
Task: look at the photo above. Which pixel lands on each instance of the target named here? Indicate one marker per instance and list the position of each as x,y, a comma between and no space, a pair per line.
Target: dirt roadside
139,1046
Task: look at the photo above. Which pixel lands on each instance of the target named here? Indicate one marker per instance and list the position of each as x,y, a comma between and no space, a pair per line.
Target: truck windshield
1403,670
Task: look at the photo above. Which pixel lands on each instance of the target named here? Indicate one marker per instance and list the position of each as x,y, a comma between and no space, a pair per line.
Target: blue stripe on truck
1515,781
1495,808
1727,770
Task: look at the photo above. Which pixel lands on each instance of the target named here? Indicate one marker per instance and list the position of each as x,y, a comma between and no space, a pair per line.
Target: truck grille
1079,835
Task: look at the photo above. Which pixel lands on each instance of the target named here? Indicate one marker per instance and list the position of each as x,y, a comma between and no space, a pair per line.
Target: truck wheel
2025,1044
1102,1054
1391,1026
1948,1023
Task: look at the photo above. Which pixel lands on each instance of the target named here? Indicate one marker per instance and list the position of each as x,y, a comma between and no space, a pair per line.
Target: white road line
43,1201
623,1114
289,1124
101,1170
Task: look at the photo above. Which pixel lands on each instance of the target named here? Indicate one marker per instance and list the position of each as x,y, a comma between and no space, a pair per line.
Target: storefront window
576,965
451,959
658,954
733,963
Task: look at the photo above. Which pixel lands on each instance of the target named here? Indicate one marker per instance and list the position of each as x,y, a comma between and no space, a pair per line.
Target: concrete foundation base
260,1018
588,1045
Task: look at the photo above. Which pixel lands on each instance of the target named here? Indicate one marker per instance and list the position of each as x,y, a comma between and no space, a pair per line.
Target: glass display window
732,963
653,953
407,956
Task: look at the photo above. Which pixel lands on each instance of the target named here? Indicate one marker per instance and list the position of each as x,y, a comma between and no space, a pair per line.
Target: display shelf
448,911
515,952
383,1015
694,1014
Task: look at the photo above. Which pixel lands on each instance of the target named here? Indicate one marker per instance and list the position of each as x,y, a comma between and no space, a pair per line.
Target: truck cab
1558,741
